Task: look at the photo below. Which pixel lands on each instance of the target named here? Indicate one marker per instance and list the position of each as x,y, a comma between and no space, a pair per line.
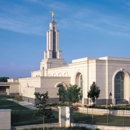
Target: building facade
111,74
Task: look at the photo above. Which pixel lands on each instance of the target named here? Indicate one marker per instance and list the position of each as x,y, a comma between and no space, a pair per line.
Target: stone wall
104,111
5,119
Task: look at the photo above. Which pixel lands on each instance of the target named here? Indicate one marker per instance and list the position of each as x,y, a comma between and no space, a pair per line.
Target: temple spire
53,41
52,55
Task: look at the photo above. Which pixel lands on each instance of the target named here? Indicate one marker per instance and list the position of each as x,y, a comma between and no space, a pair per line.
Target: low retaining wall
104,111
101,127
5,119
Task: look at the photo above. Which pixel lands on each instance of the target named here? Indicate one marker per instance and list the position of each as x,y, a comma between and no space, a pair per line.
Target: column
65,116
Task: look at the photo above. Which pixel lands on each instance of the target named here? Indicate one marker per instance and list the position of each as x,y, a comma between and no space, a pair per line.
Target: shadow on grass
26,117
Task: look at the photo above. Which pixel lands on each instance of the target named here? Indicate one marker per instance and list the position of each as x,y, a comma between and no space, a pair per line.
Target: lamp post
110,112
111,105
109,102
110,95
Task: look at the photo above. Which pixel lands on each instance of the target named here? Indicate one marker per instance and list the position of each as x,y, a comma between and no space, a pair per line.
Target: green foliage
94,92
18,97
59,104
3,79
42,105
62,93
71,94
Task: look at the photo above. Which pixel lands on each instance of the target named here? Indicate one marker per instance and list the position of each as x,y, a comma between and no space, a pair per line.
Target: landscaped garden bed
114,107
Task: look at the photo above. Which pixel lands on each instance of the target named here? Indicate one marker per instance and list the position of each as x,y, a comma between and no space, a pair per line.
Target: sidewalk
24,103
34,126
27,105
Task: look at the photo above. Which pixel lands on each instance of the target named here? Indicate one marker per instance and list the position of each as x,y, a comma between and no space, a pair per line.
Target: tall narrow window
79,81
61,90
54,43
119,86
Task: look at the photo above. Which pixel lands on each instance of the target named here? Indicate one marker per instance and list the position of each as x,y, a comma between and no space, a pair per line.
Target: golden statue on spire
52,14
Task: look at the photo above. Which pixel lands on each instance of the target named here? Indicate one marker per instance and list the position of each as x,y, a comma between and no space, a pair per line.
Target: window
119,86
79,81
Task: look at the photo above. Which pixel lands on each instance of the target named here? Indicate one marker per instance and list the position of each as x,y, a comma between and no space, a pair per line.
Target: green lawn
6,104
24,116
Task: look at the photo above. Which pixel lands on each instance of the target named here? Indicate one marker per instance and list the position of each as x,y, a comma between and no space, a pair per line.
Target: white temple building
111,74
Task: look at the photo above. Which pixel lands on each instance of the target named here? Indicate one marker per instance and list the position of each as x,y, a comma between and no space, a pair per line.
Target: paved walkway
27,104
24,103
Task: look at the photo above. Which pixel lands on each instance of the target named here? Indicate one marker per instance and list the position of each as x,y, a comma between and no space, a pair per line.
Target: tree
62,93
42,106
71,94
3,79
94,92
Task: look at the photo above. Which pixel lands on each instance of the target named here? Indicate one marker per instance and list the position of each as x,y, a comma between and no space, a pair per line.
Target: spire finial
52,14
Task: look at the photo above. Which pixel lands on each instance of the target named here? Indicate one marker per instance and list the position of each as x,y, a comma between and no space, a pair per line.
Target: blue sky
88,28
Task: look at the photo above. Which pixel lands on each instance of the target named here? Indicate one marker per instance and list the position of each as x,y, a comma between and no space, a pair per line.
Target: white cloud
21,19
20,26
59,6
120,34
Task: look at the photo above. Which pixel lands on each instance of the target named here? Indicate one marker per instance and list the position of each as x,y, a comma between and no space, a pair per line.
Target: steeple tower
52,41
52,55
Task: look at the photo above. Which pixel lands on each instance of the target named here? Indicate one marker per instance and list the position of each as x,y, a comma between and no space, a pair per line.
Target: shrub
54,104
75,108
17,97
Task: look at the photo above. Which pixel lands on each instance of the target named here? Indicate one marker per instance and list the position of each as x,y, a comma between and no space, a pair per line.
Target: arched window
119,86
79,81
61,90
59,85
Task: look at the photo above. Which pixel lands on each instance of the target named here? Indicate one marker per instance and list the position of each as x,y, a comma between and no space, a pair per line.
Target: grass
24,116
6,104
